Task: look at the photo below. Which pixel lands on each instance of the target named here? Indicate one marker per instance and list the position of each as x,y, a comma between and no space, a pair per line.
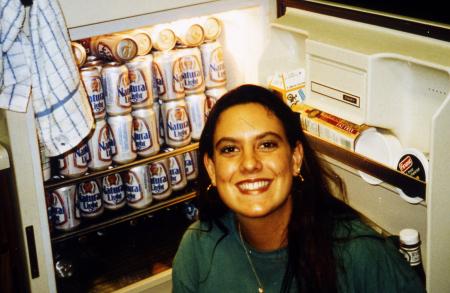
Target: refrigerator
401,80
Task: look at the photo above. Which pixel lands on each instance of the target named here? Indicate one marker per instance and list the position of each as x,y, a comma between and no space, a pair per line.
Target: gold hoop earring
209,187
299,175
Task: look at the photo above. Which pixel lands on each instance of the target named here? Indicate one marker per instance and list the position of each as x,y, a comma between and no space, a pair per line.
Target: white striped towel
61,106
15,77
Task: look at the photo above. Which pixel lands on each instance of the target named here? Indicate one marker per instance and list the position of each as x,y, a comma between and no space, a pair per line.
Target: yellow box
290,86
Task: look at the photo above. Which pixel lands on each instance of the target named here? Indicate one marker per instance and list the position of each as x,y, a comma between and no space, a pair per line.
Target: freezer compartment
121,255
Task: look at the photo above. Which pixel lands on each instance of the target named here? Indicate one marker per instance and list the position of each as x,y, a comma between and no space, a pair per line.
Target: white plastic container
413,163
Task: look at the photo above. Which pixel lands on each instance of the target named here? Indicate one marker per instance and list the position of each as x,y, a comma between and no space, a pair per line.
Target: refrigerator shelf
56,183
111,218
367,165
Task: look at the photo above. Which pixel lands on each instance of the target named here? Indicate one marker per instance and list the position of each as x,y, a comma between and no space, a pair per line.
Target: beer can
191,164
160,179
99,147
177,171
92,58
197,110
141,81
92,82
142,39
145,133
177,129
88,44
212,27
74,163
188,33
97,63
79,52
138,187
90,199
212,96
114,47
113,192
168,75
160,121
116,89
124,148
163,38
45,163
213,65
64,208
192,70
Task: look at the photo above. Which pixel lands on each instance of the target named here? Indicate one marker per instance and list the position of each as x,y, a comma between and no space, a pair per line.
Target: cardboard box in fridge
290,86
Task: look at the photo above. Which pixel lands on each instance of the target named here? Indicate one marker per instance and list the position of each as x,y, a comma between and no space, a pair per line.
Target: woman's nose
250,161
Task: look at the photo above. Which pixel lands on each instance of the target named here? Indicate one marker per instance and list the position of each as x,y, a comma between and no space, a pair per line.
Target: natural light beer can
94,63
74,163
142,39
141,81
160,179
177,171
79,52
168,76
188,33
116,89
92,81
163,38
99,147
177,129
113,192
212,96
90,199
145,134
191,164
160,121
115,47
192,70
123,146
212,27
64,209
197,110
138,187
213,65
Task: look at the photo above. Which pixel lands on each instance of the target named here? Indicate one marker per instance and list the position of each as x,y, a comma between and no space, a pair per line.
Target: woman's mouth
253,186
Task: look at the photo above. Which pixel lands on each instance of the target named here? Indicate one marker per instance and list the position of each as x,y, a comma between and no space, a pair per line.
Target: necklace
260,287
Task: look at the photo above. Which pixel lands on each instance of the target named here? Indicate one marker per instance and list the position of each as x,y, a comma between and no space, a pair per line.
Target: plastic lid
409,236
414,163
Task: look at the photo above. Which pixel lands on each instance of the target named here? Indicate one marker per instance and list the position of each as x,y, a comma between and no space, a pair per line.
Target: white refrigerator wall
255,47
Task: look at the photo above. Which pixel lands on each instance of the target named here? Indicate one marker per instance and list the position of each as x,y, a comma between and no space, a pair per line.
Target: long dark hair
315,208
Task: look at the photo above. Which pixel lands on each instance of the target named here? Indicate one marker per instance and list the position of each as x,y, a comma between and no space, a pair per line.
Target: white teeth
253,185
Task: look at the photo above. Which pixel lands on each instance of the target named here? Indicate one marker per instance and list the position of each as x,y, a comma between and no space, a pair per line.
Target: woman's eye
268,145
228,149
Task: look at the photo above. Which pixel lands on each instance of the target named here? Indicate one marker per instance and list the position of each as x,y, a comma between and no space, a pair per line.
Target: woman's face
253,163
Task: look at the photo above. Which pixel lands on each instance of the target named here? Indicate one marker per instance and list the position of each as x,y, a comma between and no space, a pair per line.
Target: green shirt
206,263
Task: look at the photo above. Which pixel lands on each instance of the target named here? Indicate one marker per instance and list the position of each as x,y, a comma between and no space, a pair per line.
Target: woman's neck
265,234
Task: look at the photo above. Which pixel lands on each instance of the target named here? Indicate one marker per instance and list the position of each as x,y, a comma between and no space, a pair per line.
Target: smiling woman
268,219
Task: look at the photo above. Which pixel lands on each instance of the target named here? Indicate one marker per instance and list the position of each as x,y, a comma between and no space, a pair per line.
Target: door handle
32,255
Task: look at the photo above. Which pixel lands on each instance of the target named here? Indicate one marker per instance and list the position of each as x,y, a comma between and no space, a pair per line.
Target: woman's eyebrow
260,136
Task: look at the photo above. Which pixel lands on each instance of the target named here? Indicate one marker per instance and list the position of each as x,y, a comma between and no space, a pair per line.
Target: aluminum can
79,52
192,70
142,39
191,164
115,47
92,58
145,133
116,89
94,63
138,187
141,81
99,147
168,75
123,146
163,38
92,81
188,33
212,96
177,129
45,163
160,179
88,44
64,208
177,171
90,199
113,192
74,163
197,110
212,27
160,121
213,65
